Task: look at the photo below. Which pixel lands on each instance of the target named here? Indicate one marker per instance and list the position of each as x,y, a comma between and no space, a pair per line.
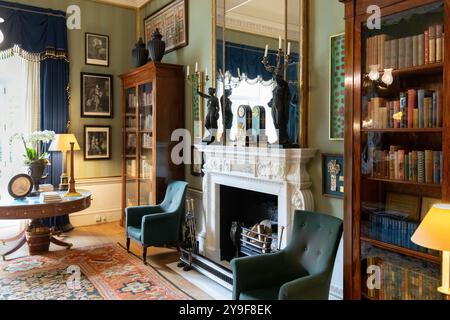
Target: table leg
19,245
60,243
15,238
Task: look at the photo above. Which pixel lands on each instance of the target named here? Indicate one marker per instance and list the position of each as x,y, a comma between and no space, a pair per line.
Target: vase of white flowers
36,158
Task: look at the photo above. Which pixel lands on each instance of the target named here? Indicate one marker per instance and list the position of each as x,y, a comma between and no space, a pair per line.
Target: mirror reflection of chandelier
1,34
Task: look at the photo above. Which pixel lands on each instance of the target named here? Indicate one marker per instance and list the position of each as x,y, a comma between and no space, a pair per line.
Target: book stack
46,188
131,101
405,282
414,109
51,197
407,52
415,166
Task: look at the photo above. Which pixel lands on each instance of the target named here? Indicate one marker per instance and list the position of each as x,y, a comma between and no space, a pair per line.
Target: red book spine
411,105
396,111
427,46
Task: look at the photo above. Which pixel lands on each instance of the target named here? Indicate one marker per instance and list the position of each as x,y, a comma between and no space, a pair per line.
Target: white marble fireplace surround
279,172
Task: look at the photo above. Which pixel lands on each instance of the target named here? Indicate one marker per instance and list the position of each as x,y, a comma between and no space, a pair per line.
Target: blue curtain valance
39,32
248,60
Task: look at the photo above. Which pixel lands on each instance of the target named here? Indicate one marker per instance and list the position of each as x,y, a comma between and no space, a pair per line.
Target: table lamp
62,143
434,233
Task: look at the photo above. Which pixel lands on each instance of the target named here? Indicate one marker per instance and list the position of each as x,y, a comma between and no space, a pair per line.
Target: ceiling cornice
125,3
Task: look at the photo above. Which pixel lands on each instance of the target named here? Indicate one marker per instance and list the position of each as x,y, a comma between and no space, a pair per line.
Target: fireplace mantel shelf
279,172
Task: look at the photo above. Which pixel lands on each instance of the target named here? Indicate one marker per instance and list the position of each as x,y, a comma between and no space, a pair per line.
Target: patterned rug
100,273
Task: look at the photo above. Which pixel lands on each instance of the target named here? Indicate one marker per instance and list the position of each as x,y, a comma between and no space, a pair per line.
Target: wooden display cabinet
153,104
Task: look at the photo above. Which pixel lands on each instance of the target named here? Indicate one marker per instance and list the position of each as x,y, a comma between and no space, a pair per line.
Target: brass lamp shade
62,143
434,231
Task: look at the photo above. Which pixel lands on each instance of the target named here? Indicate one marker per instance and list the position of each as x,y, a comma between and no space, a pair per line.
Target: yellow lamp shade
434,231
62,143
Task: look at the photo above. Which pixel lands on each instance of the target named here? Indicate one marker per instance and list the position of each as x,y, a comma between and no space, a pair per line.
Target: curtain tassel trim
33,57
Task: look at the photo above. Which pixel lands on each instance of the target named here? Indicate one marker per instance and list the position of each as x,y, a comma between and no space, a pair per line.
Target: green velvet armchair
157,225
302,271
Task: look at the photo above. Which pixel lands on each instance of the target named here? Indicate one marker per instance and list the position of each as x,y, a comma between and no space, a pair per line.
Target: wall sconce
374,75
388,78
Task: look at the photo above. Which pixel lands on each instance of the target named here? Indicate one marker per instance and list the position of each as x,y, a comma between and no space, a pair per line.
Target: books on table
51,197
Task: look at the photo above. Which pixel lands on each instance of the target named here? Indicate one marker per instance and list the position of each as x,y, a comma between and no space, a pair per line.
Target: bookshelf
149,116
396,141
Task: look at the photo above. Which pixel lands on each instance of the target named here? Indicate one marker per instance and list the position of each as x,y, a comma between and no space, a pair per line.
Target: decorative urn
156,46
140,54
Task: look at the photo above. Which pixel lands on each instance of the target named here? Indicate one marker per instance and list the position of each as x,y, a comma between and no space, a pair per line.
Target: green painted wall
120,25
326,20
198,50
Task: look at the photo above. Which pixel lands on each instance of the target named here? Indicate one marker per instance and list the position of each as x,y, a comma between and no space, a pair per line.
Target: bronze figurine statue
212,115
280,104
227,106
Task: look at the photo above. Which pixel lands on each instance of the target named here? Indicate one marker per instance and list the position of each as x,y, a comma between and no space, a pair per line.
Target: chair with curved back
302,271
157,225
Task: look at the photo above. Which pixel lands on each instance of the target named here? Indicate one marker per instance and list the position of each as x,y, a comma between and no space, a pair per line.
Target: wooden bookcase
376,190
152,108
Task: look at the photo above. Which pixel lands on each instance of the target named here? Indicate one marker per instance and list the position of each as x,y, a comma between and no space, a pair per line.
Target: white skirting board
106,203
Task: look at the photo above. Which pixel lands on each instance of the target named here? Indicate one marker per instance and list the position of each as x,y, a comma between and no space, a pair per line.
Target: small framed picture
97,49
97,142
96,95
197,162
333,175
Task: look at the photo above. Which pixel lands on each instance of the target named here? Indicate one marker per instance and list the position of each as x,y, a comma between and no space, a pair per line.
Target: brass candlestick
276,69
72,191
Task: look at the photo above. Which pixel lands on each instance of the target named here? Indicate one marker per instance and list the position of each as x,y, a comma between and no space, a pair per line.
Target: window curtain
248,60
40,35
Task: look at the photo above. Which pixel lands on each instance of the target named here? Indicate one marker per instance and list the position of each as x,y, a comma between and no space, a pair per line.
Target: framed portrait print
337,87
97,49
96,95
171,21
97,142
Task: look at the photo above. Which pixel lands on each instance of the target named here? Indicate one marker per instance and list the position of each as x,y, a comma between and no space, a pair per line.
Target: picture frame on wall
97,142
197,162
333,175
172,22
97,49
337,87
96,95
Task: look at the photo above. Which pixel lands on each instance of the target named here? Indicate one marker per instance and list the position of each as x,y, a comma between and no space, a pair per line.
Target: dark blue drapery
35,30
248,60
43,34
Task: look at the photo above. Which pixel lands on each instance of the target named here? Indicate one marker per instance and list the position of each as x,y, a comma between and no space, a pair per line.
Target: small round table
34,209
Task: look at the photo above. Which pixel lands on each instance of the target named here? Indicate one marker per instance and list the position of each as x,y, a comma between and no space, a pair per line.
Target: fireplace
240,211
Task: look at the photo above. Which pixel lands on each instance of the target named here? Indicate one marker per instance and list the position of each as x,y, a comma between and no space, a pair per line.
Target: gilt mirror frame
304,61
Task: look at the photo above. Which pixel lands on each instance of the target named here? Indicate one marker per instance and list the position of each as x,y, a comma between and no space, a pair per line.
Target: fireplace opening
251,214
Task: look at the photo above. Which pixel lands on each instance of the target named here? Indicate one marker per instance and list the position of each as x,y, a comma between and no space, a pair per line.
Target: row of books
147,99
147,122
407,52
401,283
132,101
414,109
415,166
385,228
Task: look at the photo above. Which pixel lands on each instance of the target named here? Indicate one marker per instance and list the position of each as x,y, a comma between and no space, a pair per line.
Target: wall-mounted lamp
388,78
374,75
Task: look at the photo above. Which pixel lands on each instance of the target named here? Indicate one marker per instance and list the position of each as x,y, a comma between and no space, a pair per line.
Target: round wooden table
35,210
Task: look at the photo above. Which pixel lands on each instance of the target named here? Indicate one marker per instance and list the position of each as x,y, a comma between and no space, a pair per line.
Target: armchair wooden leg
128,245
144,255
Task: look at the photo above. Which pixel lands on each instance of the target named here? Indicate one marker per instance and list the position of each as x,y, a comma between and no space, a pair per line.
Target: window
18,104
